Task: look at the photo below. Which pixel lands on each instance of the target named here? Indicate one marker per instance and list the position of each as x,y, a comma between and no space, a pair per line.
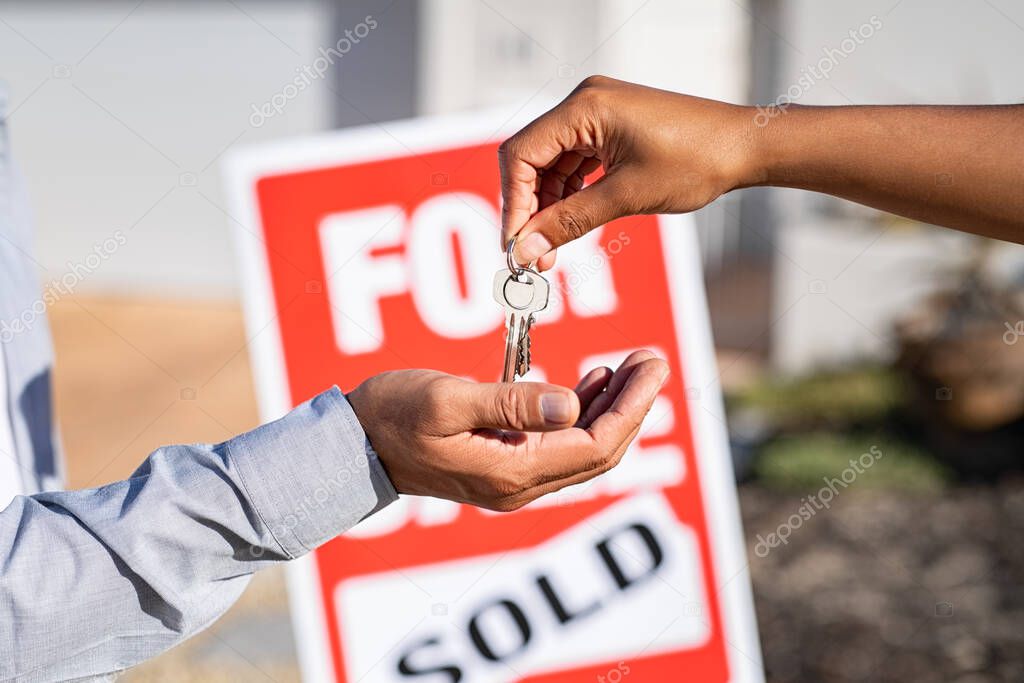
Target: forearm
96,580
962,167
664,152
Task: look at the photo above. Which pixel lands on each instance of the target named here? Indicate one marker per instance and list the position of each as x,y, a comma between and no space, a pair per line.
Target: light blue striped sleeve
97,580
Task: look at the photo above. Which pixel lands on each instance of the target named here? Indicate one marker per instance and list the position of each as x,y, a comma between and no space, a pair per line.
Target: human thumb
521,406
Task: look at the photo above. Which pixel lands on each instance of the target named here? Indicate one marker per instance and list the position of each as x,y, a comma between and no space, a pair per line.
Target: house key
521,291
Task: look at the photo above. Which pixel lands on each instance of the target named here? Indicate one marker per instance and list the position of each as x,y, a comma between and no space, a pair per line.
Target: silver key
521,296
524,350
521,292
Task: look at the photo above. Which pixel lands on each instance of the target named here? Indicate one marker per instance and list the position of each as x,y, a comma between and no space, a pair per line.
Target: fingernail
555,408
532,248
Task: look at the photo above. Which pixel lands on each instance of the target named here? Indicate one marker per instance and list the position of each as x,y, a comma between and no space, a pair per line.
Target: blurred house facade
120,112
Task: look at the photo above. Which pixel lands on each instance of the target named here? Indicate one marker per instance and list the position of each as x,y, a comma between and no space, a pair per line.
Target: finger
613,442
567,453
570,456
520,159
572,217
522,406
554,179
618,380
575,182
591,386
572,185
532,493
630,406
589,165
547,261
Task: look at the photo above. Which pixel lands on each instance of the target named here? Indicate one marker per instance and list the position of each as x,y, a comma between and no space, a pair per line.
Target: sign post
373,249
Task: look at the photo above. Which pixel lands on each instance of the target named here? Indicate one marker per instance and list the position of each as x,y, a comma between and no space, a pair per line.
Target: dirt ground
884,586
890,586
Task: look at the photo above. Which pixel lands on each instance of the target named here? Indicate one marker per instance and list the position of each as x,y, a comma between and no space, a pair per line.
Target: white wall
531,53
113,108
117,107
833,305
484,54
925,52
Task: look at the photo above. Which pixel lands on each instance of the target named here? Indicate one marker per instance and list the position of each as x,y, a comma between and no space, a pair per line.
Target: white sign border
243,167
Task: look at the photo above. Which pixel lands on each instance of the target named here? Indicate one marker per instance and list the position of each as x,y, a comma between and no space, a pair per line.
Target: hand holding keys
521,291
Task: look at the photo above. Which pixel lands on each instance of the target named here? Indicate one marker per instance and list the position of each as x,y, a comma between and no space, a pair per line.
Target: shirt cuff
312,474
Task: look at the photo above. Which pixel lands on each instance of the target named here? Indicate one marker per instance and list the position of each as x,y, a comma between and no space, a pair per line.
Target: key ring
516,270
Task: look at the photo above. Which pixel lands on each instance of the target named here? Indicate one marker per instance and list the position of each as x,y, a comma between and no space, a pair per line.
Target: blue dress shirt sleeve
97,580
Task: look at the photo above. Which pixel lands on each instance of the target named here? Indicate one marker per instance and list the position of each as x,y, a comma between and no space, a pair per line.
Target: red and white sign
374,249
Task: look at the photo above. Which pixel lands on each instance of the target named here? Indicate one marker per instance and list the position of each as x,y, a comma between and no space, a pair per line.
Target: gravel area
889,586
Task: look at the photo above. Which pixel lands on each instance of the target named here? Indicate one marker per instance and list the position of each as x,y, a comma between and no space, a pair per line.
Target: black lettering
407,669
483,647
610,561
563,615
